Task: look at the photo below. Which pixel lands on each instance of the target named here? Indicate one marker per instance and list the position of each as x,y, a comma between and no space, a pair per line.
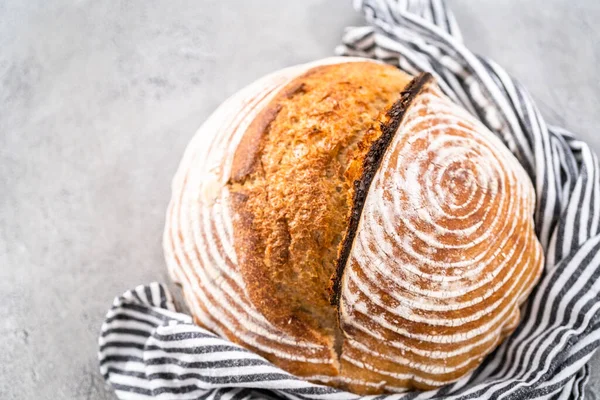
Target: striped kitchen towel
148,350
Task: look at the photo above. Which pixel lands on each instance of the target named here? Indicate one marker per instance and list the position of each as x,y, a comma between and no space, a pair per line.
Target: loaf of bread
354,226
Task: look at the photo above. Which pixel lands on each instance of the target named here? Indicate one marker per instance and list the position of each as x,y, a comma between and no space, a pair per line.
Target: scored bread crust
323,171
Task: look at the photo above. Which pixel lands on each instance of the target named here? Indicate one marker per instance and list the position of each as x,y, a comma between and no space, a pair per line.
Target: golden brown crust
291,177
246,159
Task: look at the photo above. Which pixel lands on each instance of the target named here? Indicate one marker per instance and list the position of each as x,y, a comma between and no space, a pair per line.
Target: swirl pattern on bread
444,252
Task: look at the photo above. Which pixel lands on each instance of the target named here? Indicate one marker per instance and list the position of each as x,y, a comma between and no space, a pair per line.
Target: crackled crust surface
292,185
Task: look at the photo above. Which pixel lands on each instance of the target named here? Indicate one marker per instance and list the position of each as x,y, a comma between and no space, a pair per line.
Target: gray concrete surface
98,100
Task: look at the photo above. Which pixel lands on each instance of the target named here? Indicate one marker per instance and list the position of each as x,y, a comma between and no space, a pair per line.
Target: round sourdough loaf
354,226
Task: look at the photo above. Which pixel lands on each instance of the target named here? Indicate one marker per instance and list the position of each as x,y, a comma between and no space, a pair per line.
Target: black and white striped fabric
147,349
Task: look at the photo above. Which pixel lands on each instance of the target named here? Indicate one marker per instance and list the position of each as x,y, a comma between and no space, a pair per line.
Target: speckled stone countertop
98,100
